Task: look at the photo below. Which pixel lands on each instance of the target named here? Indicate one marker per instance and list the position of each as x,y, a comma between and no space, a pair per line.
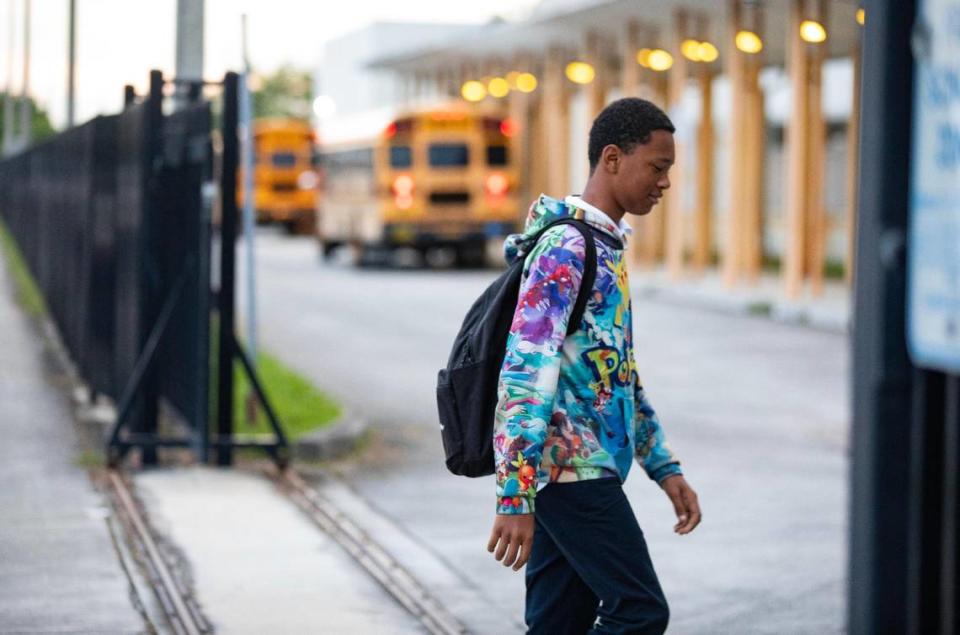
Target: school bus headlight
307,180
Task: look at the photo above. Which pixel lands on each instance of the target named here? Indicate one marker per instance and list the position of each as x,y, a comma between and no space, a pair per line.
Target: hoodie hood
546,210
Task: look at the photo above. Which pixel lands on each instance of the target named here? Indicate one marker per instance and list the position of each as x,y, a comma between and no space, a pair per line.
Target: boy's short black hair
625,123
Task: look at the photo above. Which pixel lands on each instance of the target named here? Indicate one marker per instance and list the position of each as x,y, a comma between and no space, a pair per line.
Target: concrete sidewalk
59,570
256,562
832,311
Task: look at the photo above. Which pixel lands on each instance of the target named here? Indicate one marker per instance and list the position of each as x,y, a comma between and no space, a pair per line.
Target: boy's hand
514,533
684,501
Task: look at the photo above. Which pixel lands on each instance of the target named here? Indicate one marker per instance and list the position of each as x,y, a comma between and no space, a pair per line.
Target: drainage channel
180,611
371,556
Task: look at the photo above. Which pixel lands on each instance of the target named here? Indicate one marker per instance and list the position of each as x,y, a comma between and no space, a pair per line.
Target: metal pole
246,127
225,300
879,587
8,104
26,111
189,55
71,63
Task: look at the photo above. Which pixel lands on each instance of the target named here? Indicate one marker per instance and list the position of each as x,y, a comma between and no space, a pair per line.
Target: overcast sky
119,41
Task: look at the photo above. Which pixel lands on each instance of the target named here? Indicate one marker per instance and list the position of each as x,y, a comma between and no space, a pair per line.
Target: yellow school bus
439,178
285,181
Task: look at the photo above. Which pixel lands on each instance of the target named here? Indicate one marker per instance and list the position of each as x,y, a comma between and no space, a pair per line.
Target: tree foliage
40,126
284,93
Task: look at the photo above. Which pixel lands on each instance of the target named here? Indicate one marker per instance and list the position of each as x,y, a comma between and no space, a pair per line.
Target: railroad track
180,611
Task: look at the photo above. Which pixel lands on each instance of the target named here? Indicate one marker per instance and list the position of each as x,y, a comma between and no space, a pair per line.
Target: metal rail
183,618
371,556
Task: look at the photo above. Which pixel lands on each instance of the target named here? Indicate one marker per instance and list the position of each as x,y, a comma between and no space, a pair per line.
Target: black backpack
467,387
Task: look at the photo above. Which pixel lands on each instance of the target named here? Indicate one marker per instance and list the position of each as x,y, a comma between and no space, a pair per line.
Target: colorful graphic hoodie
570,408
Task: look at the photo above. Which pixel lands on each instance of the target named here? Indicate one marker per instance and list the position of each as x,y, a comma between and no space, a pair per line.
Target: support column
629,68
742,253
597,89
816,211
555,124
703,233
751,249
674,199
804,156
518,108
853,168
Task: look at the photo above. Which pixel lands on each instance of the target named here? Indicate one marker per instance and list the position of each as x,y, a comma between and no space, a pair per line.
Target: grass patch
27,294
299,405
761,308
832,269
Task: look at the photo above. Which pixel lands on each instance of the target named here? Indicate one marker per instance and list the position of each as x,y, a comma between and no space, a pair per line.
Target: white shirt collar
624,228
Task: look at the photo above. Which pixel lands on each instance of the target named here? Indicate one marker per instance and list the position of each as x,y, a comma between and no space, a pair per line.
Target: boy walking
571,414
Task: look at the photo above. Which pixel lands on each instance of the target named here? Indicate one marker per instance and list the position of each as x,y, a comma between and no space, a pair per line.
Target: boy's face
642,177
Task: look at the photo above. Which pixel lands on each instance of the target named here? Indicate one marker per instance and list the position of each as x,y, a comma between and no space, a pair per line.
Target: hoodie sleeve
652,451
531,366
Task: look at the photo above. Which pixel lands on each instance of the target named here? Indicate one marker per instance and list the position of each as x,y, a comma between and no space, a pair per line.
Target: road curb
776,310
333,441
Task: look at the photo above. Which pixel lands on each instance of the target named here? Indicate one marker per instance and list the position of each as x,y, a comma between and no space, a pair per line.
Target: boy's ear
610,158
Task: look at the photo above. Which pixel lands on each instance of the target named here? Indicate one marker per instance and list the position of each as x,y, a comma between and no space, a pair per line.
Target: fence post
225,297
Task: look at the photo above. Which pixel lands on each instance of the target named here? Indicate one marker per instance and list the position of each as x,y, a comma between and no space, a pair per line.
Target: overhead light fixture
580,72
498,87
643,57
660,60
812,31
690,50
861,16
707,52
748,42
526,82
473,90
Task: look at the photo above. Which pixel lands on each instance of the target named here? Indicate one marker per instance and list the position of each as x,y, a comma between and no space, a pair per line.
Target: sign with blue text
933,286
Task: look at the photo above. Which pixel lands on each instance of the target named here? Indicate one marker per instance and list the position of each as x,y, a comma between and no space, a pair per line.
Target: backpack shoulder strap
589,268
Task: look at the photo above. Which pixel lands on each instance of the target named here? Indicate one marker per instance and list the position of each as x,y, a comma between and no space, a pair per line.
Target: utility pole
246,128
26,111
189,62
71,64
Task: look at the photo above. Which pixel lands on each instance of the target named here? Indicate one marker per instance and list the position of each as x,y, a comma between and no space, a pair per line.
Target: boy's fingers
679,509
511,556
693,512
494,537
502,547
524,556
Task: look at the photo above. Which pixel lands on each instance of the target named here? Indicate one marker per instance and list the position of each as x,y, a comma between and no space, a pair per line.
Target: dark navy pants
589,571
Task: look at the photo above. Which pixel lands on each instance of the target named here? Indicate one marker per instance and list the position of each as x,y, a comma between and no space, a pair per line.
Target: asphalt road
757,411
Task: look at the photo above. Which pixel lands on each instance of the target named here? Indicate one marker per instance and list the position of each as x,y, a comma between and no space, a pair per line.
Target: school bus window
496,155
400,157
284,159
449,155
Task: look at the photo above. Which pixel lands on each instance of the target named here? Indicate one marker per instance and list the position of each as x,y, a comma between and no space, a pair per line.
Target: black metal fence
112,223
113,218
